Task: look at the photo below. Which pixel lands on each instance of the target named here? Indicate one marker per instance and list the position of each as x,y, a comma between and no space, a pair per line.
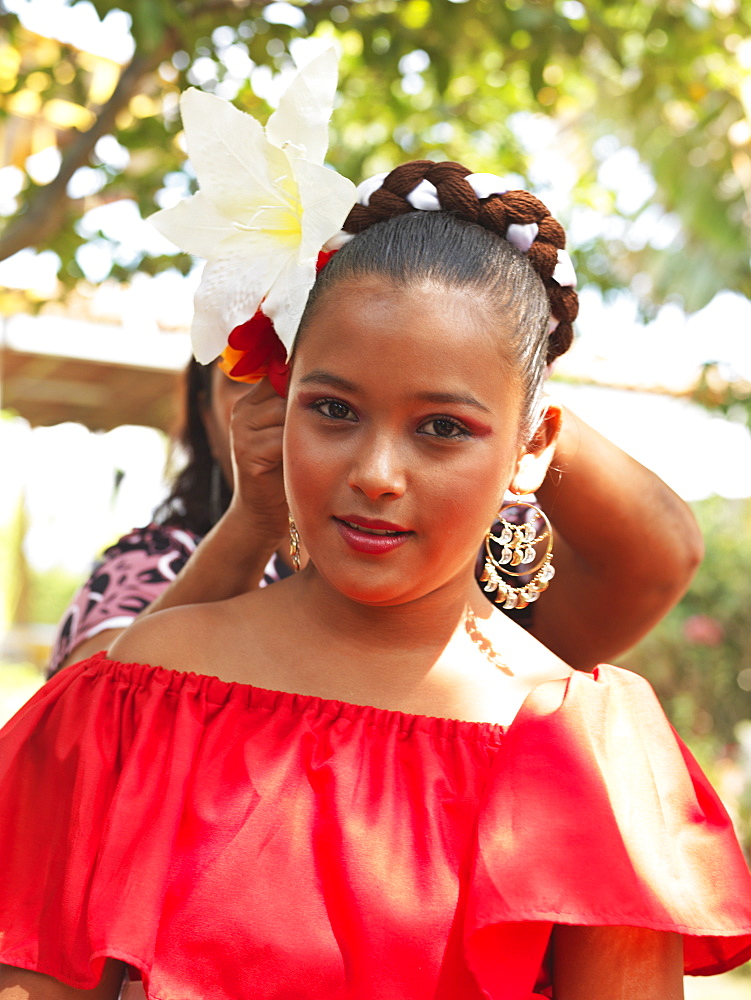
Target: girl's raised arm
621,963
626,548
21,984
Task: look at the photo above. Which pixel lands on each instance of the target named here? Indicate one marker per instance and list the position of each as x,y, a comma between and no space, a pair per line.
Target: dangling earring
294,544
517,543
215,493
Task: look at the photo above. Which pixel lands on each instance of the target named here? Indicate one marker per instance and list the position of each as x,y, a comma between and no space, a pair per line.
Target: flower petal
265,354
255,337
229,359
244,368
286,300
237,168
193,225
300,125
232,288
278,376
326,199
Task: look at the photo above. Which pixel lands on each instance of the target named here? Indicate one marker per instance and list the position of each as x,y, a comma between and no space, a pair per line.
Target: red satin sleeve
84,858
598,815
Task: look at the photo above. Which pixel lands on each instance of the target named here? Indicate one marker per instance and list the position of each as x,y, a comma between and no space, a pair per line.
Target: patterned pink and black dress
129,577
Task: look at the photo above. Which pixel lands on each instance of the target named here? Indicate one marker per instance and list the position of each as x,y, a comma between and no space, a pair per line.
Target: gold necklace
484,644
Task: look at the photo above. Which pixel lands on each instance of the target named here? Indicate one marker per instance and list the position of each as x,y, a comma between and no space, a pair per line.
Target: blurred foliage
51,591
13,567
731,396
698,658
473,81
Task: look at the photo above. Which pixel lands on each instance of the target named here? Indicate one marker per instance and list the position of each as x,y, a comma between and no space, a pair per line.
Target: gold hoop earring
294,544
517,543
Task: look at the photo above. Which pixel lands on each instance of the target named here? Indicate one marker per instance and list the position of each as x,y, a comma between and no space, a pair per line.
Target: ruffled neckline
543,699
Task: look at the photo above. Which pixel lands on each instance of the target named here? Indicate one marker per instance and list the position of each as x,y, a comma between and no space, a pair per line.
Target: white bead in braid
424,198
366,188
522,236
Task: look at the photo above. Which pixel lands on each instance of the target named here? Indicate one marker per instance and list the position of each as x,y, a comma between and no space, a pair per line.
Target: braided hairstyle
459,247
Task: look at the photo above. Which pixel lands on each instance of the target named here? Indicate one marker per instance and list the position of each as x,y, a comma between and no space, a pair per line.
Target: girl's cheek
307,465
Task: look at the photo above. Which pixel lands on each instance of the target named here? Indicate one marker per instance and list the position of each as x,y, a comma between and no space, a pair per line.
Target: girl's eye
335,409
444,427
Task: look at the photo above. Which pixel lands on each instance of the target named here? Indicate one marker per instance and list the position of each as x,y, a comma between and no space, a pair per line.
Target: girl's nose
378,469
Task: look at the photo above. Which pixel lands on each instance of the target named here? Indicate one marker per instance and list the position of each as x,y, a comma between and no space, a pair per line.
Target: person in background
239,529
627,546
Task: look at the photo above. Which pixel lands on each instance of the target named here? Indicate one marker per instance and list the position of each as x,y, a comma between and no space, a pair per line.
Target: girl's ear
536,456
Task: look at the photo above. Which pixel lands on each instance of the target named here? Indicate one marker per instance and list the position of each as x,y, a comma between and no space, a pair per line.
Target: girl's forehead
423,338
358,313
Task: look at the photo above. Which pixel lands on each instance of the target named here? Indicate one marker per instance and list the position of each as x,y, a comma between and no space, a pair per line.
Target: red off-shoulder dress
233,843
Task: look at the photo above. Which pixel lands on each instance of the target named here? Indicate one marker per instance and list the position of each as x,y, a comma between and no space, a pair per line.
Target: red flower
254,350
323,258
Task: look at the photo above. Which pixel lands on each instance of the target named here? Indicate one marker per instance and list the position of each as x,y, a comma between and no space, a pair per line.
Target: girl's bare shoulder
202,638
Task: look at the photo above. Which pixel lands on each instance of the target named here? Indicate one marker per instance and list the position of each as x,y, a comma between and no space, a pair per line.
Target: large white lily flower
265,208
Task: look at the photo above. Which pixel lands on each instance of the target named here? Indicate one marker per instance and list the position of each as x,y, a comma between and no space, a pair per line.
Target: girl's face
402,434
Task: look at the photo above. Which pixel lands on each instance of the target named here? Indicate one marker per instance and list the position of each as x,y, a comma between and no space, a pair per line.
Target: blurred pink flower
703,630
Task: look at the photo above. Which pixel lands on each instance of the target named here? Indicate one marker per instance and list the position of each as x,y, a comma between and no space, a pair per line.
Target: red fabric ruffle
598,815
229,841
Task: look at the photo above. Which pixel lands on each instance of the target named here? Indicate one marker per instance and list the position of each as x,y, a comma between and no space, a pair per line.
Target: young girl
365,781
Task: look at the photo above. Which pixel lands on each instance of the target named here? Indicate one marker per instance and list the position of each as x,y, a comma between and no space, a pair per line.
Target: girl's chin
375,596
399,576
363,585
367,587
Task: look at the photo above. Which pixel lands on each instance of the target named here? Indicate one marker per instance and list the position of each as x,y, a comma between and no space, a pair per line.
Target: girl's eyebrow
453,397
321,377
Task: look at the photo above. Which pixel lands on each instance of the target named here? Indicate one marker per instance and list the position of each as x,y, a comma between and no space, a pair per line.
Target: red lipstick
371,535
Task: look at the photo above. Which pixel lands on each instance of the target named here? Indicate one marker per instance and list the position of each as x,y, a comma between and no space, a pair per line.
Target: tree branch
47,209
45,214
214,6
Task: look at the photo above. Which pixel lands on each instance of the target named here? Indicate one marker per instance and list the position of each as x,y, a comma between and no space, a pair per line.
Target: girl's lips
371,536
371,523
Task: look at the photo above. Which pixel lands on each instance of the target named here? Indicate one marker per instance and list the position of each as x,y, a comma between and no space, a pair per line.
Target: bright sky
67,474
78,25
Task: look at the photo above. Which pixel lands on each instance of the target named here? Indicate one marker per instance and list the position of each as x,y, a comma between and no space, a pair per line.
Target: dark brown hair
459,246
189,503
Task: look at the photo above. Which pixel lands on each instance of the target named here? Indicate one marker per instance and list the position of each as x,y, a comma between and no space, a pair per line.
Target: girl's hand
258,500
